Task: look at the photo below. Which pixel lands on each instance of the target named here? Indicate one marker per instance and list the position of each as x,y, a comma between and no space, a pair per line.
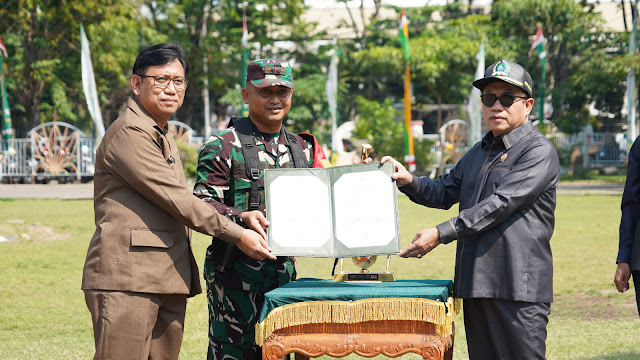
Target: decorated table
313,317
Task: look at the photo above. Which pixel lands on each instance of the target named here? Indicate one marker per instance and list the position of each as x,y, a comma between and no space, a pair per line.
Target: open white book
341,211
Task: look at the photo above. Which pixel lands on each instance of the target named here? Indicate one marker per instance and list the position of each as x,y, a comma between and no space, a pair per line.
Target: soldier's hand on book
254,245
256,221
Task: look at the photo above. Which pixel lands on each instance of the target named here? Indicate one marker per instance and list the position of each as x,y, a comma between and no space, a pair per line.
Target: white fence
60,151
603,149
51,150
20,163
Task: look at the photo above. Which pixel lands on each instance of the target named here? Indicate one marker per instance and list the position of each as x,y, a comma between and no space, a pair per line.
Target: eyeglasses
506,100
162,82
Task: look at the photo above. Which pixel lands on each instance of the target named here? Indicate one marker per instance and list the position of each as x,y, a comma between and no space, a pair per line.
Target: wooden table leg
448,354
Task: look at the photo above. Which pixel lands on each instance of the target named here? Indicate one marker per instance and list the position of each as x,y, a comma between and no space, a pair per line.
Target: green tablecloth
327,290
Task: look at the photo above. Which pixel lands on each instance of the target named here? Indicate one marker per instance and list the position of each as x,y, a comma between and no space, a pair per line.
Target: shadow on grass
631,355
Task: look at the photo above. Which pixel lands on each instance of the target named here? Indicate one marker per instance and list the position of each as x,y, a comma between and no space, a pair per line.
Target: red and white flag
3,48
537,44
245,33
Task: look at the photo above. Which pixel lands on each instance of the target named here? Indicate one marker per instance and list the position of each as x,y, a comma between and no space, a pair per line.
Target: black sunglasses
506,100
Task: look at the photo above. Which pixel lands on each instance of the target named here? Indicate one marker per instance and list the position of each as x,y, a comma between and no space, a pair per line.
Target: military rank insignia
274,70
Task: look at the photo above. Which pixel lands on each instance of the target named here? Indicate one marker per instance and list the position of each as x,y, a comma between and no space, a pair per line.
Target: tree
39,29
445,57
597,80
568,30
43,39
212,34
113,58
376,124
442,59
361,36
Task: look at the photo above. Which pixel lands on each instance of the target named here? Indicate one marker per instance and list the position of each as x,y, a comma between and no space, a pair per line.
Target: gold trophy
366,149
364,262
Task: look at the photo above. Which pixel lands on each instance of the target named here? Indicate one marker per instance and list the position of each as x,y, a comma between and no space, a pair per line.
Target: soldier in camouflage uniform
236,283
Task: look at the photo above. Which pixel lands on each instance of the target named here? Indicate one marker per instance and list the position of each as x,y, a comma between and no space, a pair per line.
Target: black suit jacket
629,246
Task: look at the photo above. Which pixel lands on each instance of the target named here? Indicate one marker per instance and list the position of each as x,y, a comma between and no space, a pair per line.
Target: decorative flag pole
331,89
474,107
7,129
631,87
3,49
89,86
205,81
245,50
409,157
538,44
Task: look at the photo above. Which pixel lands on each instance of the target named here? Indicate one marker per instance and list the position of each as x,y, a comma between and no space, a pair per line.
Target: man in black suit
505,186
629,248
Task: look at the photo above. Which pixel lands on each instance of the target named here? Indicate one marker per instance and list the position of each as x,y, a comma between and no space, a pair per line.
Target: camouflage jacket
222,182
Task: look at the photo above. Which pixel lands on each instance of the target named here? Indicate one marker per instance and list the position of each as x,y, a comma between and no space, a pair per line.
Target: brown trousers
136,326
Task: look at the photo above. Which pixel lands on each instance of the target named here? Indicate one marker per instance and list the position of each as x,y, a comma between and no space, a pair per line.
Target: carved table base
388,338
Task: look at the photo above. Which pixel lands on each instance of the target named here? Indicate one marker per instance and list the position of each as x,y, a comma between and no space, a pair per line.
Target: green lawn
594,175
43,315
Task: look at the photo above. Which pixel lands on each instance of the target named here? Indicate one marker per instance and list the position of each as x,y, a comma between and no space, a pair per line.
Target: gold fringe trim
457,306
351,312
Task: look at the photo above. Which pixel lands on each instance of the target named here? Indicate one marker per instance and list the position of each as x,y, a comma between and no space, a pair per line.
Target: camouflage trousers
226,351
233,314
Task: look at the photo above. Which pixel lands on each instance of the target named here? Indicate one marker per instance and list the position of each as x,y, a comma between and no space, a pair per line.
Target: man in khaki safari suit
140,268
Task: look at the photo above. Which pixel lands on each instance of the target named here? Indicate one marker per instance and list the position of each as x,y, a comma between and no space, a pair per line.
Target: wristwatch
440,239
239,220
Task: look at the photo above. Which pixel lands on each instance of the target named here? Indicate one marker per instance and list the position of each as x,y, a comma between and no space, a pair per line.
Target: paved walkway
588,187
42,191
85,191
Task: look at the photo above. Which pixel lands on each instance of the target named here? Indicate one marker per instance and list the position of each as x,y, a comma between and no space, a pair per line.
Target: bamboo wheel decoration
454,137
182,131
54,148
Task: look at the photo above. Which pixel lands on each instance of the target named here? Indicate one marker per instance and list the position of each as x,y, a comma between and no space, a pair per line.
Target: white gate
51,150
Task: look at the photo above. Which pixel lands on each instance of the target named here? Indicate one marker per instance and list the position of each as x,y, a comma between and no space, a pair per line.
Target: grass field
43,315
594,175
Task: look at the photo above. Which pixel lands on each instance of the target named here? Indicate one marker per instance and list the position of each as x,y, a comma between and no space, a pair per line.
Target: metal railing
19,163
57,150
603,149
16,159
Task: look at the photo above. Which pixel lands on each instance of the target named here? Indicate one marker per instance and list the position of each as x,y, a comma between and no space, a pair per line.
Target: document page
341,211
300,211
364,209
